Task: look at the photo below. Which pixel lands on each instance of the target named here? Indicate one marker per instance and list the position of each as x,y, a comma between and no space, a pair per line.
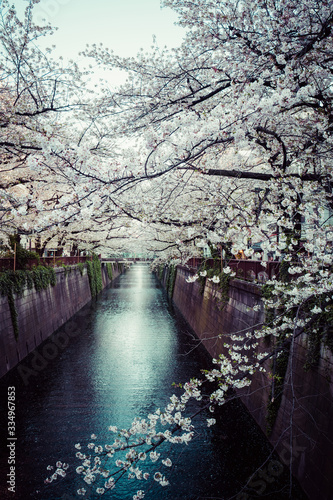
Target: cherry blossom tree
247,96
35,93
52,180
223,141
247,100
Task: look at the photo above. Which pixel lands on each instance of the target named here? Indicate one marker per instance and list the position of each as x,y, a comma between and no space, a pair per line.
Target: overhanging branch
259,176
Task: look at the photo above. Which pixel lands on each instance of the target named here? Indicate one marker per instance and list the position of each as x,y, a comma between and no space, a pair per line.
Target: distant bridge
125,260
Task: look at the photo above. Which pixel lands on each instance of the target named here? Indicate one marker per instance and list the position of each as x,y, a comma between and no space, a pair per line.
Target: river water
115,360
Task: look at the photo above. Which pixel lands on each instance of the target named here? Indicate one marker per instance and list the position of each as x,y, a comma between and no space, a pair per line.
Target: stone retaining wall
303,430
42,313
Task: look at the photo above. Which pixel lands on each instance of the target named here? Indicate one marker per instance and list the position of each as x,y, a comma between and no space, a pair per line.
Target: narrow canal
114,361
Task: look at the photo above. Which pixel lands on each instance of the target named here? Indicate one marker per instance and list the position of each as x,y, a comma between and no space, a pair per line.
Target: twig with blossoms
147,434
103,466
133,450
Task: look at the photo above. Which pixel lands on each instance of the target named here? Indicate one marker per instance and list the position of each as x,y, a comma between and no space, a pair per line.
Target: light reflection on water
131,346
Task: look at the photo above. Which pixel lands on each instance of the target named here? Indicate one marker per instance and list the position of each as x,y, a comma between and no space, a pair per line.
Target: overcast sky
123,25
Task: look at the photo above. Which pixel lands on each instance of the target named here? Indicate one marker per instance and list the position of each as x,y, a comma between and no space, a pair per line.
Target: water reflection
130,347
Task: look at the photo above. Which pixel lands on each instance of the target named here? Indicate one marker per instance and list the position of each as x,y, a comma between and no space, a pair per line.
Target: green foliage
283,271
22,255
266,293
94,270
43,277
320,332
223,284
202,282
328,327
13,313
80,266
280,363
313,351
67,269
109,270
280,366
171,279
160,271
210,271
14,282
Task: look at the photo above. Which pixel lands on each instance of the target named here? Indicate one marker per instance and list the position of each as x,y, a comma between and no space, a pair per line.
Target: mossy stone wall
306,445
42,312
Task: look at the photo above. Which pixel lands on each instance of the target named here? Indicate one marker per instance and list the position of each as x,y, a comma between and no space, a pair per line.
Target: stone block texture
42,313
303,430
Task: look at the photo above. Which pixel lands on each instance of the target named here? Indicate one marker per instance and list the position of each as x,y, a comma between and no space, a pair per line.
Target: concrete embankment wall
40,313
303,430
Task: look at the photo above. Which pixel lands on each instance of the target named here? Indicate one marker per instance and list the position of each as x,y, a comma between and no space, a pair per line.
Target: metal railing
7,263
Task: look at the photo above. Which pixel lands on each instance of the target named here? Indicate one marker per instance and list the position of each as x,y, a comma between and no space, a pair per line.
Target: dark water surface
115,360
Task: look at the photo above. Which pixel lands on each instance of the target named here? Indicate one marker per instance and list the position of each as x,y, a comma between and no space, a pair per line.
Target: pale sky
122,25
